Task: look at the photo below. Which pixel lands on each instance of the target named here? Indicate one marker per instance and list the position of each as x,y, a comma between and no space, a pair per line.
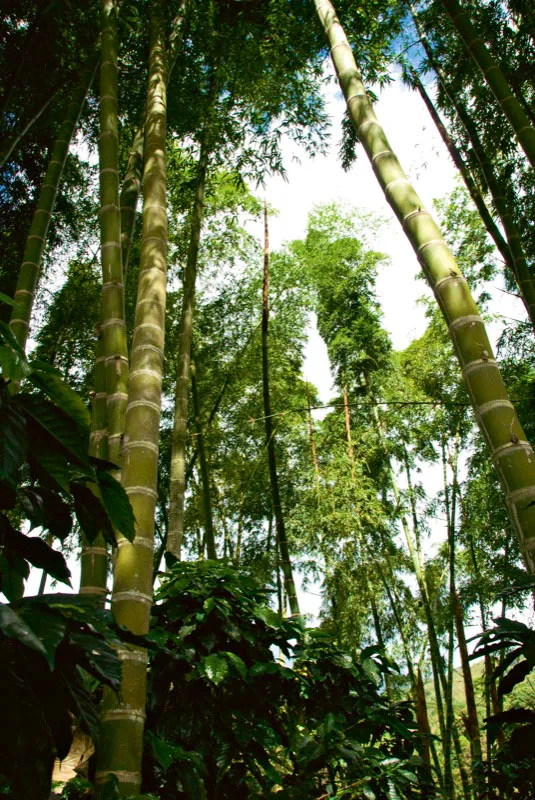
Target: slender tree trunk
10,144
312,441
282,542
380,639
205,471
462,166
348,432
471,707
517,261
177,479
474,43
35,244
121,739
511,452
423,720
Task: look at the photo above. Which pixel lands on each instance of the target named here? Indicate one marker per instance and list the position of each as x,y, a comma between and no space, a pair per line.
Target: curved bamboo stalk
121,741
36,242
177,471
10,144
493,74
512,454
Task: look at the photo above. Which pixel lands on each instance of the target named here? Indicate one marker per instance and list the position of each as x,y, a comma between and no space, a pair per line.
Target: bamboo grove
159,441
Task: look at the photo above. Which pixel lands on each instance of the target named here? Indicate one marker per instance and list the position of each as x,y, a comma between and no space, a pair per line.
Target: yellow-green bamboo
177,470
511,107
132,180
94,556
35,244
121,740
512,454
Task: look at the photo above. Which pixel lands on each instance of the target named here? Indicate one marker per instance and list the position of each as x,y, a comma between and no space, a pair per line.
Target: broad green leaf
13,440
270,617
236,662
34,550
46,509
91,514
117,504
50,422
164,752
4,298
48,465
12,358
49,381
11,576
14,627
50,626
215,668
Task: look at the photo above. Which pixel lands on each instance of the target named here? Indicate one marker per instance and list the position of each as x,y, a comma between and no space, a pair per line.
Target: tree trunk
177,472
471,707
282,542
205,471
10,144
524,131
511,452
35,244
121,739
517,261
462,166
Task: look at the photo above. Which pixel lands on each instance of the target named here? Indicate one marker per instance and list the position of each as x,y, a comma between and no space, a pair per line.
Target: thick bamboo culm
512,454
121,738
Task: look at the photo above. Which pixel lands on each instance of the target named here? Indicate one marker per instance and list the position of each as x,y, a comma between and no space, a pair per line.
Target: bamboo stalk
121,737
205,471
493,74
36,242
511,452
177,470
282,541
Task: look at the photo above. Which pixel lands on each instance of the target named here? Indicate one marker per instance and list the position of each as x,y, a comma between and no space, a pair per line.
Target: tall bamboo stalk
205,470
517,261
111,363
36,242
511,452
471,707
121,739
474,43
134,169
282,541
177,472
462,166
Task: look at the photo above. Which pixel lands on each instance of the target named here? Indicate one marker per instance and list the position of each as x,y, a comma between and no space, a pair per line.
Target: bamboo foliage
510,105
511,452
36,242
122,723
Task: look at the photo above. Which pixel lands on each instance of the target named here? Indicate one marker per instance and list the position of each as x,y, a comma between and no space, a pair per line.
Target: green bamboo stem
462,166
94,556
36,242
121,739
111,363
177,472
511,452
516,261
205,470
131,187
280,527
493,74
